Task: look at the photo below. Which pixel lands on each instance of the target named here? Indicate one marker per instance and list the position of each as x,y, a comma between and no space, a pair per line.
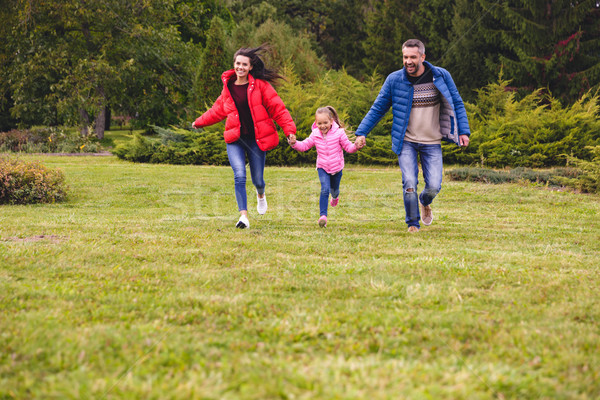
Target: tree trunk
101,123
108,118
101,117
85,122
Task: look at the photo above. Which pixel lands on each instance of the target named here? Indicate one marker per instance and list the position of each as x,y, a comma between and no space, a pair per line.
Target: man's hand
360,142
291,139
464,140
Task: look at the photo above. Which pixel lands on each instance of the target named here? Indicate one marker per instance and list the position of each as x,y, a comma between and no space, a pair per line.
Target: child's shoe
261,205
334,202
323,221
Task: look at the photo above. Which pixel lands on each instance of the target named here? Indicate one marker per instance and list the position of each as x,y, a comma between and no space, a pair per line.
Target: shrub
206,146
176,146
536,131
552,177
588,179
30,182
139,149
47,140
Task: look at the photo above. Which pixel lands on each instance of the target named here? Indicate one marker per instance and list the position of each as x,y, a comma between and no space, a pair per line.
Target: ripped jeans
431,162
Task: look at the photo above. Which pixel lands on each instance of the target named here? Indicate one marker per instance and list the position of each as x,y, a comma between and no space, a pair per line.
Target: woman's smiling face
242,67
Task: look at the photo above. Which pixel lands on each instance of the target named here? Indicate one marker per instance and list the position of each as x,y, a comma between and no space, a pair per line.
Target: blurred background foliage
529,70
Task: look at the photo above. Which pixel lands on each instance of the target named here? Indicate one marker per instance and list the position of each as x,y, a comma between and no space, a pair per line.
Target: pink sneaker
334,202
323,221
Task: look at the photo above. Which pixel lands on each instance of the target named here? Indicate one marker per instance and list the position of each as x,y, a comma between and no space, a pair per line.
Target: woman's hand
291,139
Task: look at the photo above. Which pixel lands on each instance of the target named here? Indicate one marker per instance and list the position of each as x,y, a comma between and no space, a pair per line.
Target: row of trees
159,61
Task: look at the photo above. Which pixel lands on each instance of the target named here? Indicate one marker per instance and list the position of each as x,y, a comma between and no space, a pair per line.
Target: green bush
536,131
588,180
30,182
351,98
47,140
563,176
176,146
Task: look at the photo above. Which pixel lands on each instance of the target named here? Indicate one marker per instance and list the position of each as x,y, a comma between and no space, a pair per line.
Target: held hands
360,142
291,139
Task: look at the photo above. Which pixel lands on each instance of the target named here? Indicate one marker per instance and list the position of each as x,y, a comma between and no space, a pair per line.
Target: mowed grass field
140,287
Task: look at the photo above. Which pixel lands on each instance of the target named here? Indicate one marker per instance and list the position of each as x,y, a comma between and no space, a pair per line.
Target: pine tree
550,44
388,25
214,61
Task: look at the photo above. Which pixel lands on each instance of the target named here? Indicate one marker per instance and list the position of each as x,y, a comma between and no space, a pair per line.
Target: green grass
140,287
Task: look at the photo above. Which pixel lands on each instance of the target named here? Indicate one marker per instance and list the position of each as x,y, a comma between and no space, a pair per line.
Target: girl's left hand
291,139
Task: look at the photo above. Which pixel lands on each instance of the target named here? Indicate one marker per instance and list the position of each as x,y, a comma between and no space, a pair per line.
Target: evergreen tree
214,61
434,24
8,14
388,25
549,44
470,56
539,43
289,48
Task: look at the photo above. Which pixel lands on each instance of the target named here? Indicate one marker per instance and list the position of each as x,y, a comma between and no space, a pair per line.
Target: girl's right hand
291,139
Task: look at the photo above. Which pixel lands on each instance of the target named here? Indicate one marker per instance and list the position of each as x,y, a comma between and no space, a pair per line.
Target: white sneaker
261,206
243,222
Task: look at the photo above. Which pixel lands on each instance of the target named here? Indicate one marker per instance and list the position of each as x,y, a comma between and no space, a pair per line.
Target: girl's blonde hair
329,110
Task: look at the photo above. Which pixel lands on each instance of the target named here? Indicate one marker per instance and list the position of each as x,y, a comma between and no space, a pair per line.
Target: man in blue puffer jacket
426,109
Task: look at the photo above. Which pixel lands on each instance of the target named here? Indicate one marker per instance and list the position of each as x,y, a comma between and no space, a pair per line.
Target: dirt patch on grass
36,238
99,154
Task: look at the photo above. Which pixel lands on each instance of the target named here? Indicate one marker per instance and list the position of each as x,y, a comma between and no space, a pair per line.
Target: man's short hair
414,43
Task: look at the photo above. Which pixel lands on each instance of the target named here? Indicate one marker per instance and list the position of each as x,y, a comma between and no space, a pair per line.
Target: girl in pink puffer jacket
330,140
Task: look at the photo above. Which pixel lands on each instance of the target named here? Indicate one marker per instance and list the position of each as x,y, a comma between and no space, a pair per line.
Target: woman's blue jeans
237,152
431,162
329,184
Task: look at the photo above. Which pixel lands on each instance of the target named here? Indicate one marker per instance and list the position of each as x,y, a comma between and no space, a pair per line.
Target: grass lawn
140,287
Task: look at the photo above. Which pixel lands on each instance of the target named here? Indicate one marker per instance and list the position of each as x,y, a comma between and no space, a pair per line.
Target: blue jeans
431,162
237,152
329,184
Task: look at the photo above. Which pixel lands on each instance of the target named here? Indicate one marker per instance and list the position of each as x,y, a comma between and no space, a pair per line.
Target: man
426,108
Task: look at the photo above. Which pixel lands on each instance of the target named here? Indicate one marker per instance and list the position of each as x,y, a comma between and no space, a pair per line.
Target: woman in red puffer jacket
250,104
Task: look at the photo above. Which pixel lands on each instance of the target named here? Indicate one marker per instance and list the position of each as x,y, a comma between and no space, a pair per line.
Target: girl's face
242,67
323,122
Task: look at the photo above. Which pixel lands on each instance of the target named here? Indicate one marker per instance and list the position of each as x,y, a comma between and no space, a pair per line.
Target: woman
250,104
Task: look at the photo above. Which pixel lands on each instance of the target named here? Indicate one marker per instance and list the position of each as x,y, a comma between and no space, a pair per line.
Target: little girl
329,138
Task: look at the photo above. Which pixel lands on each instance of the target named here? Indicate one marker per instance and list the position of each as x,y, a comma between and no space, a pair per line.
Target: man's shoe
243,222
261,206
323,221
334,202
426,215
413,229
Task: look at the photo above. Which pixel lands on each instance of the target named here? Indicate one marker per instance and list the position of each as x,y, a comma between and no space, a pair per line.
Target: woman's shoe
261,206
243,222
